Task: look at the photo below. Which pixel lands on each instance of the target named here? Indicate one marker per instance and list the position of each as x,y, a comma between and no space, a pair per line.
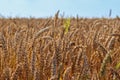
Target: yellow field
60,49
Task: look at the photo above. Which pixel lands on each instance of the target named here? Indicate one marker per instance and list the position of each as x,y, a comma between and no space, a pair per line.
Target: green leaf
117,66
67,25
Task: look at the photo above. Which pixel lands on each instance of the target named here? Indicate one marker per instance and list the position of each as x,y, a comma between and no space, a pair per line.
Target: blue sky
47,8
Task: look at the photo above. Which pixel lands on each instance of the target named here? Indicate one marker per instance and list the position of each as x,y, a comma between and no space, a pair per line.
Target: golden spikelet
6,74
102,48
17,72
112,44
66,74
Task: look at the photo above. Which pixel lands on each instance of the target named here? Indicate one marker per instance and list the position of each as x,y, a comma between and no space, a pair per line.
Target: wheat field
60,49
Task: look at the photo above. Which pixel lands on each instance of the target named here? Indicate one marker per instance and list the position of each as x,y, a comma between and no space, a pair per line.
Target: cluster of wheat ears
51,49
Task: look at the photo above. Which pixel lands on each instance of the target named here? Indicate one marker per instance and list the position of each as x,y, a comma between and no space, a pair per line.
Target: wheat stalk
103,64
41,31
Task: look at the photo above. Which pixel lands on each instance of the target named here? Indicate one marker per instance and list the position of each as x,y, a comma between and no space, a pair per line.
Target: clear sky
47,8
